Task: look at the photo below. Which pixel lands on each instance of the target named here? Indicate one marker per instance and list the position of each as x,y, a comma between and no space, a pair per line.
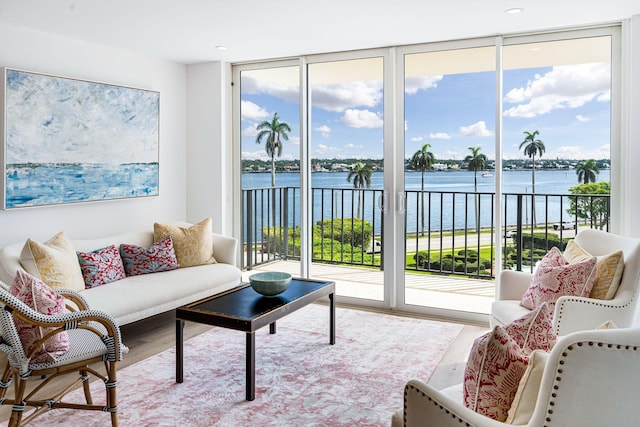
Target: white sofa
138,297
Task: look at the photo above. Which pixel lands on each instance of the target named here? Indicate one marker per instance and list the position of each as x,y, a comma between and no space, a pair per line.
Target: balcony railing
446,232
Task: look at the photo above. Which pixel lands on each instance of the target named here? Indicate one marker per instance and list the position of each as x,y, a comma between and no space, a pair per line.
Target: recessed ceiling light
221,47
514,10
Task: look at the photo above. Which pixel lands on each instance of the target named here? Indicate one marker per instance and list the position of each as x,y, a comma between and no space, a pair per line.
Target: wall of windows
513,115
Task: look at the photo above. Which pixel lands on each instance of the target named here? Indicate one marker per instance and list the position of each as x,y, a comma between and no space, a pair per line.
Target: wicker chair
93,337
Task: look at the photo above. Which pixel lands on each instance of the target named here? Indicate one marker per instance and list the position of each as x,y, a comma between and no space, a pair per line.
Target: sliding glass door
346,141
448,164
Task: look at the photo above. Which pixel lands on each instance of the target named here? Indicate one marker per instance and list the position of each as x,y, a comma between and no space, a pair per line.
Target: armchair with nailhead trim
590,378
579,313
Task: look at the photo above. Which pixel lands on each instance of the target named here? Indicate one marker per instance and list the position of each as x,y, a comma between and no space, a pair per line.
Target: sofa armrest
225,249
426,406
513,284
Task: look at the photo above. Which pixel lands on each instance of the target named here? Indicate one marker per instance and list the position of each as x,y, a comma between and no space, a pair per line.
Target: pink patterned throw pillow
41,298
534,330
159,257
554,278
101,266
493,372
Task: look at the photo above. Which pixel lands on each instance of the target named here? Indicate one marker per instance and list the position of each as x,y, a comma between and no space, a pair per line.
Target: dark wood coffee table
244,309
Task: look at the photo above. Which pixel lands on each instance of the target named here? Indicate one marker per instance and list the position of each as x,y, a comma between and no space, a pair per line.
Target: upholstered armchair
590,378
93,338
579,313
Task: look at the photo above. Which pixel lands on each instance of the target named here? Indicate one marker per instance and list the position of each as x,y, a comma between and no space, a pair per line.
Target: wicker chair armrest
75,297
70,320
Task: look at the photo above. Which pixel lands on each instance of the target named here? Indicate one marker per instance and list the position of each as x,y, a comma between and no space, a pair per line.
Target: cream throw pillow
54,262
525,400
609,270
193,245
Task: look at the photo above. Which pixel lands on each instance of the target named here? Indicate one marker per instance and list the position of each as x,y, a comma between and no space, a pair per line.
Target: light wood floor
151,336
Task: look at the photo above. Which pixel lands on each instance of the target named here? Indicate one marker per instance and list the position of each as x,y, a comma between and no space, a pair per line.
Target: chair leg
5,381
112,403
85,386
18,406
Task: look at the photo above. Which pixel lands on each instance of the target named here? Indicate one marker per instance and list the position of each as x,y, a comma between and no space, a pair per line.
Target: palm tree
476,161
422,160
532,146
271,132
587,171
361,175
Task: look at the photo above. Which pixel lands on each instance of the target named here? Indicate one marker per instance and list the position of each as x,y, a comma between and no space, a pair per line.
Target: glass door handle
402,202
382,202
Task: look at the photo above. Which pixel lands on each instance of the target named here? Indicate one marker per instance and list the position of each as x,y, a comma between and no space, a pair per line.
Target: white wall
209,152
33,51
631,153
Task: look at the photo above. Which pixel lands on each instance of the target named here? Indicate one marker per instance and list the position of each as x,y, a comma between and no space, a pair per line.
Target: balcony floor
446,292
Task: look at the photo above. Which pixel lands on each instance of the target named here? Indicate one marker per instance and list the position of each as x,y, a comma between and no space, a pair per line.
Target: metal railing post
519,233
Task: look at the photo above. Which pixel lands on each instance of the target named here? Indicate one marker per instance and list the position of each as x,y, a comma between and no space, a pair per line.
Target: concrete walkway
446,292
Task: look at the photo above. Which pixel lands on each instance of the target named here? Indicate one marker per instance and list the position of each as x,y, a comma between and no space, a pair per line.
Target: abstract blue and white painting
69,140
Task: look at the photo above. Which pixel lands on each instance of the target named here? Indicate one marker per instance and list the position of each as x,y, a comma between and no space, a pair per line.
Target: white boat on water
487,174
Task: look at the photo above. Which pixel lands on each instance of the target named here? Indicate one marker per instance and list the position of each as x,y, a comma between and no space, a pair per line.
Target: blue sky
569,105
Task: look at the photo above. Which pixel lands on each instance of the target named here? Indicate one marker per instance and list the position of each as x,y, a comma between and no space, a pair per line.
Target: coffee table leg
251,366
179,350
272,328
332,319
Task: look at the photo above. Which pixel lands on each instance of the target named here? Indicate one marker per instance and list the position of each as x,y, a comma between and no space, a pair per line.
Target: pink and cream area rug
301,380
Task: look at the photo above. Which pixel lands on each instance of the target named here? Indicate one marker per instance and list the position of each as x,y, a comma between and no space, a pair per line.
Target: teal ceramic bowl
270,283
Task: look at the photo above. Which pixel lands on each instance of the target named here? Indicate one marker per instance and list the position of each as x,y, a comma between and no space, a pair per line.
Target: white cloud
342,96
413,84
323,149
289,93
565,86
255,155
439,135
582,118
361,119
578,152
416,139
324,130
354,146
476,129
252,111
295,140
250,130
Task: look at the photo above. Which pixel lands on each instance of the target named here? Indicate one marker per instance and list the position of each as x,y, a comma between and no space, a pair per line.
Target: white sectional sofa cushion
138,297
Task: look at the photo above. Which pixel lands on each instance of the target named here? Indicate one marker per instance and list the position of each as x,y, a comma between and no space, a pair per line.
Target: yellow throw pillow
193,245
525,401
609,270
54,262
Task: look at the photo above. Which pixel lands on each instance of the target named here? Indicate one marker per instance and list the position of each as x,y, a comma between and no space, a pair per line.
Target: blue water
37,184
458,209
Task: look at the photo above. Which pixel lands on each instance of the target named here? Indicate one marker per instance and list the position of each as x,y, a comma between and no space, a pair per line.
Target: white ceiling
188,31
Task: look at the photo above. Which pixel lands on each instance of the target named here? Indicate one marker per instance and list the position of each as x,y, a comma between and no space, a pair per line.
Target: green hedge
463,262
349,231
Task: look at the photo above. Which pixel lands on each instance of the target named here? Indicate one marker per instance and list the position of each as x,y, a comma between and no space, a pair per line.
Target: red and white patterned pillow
41,298
101,266
554,278
159,257
534,330
493,372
